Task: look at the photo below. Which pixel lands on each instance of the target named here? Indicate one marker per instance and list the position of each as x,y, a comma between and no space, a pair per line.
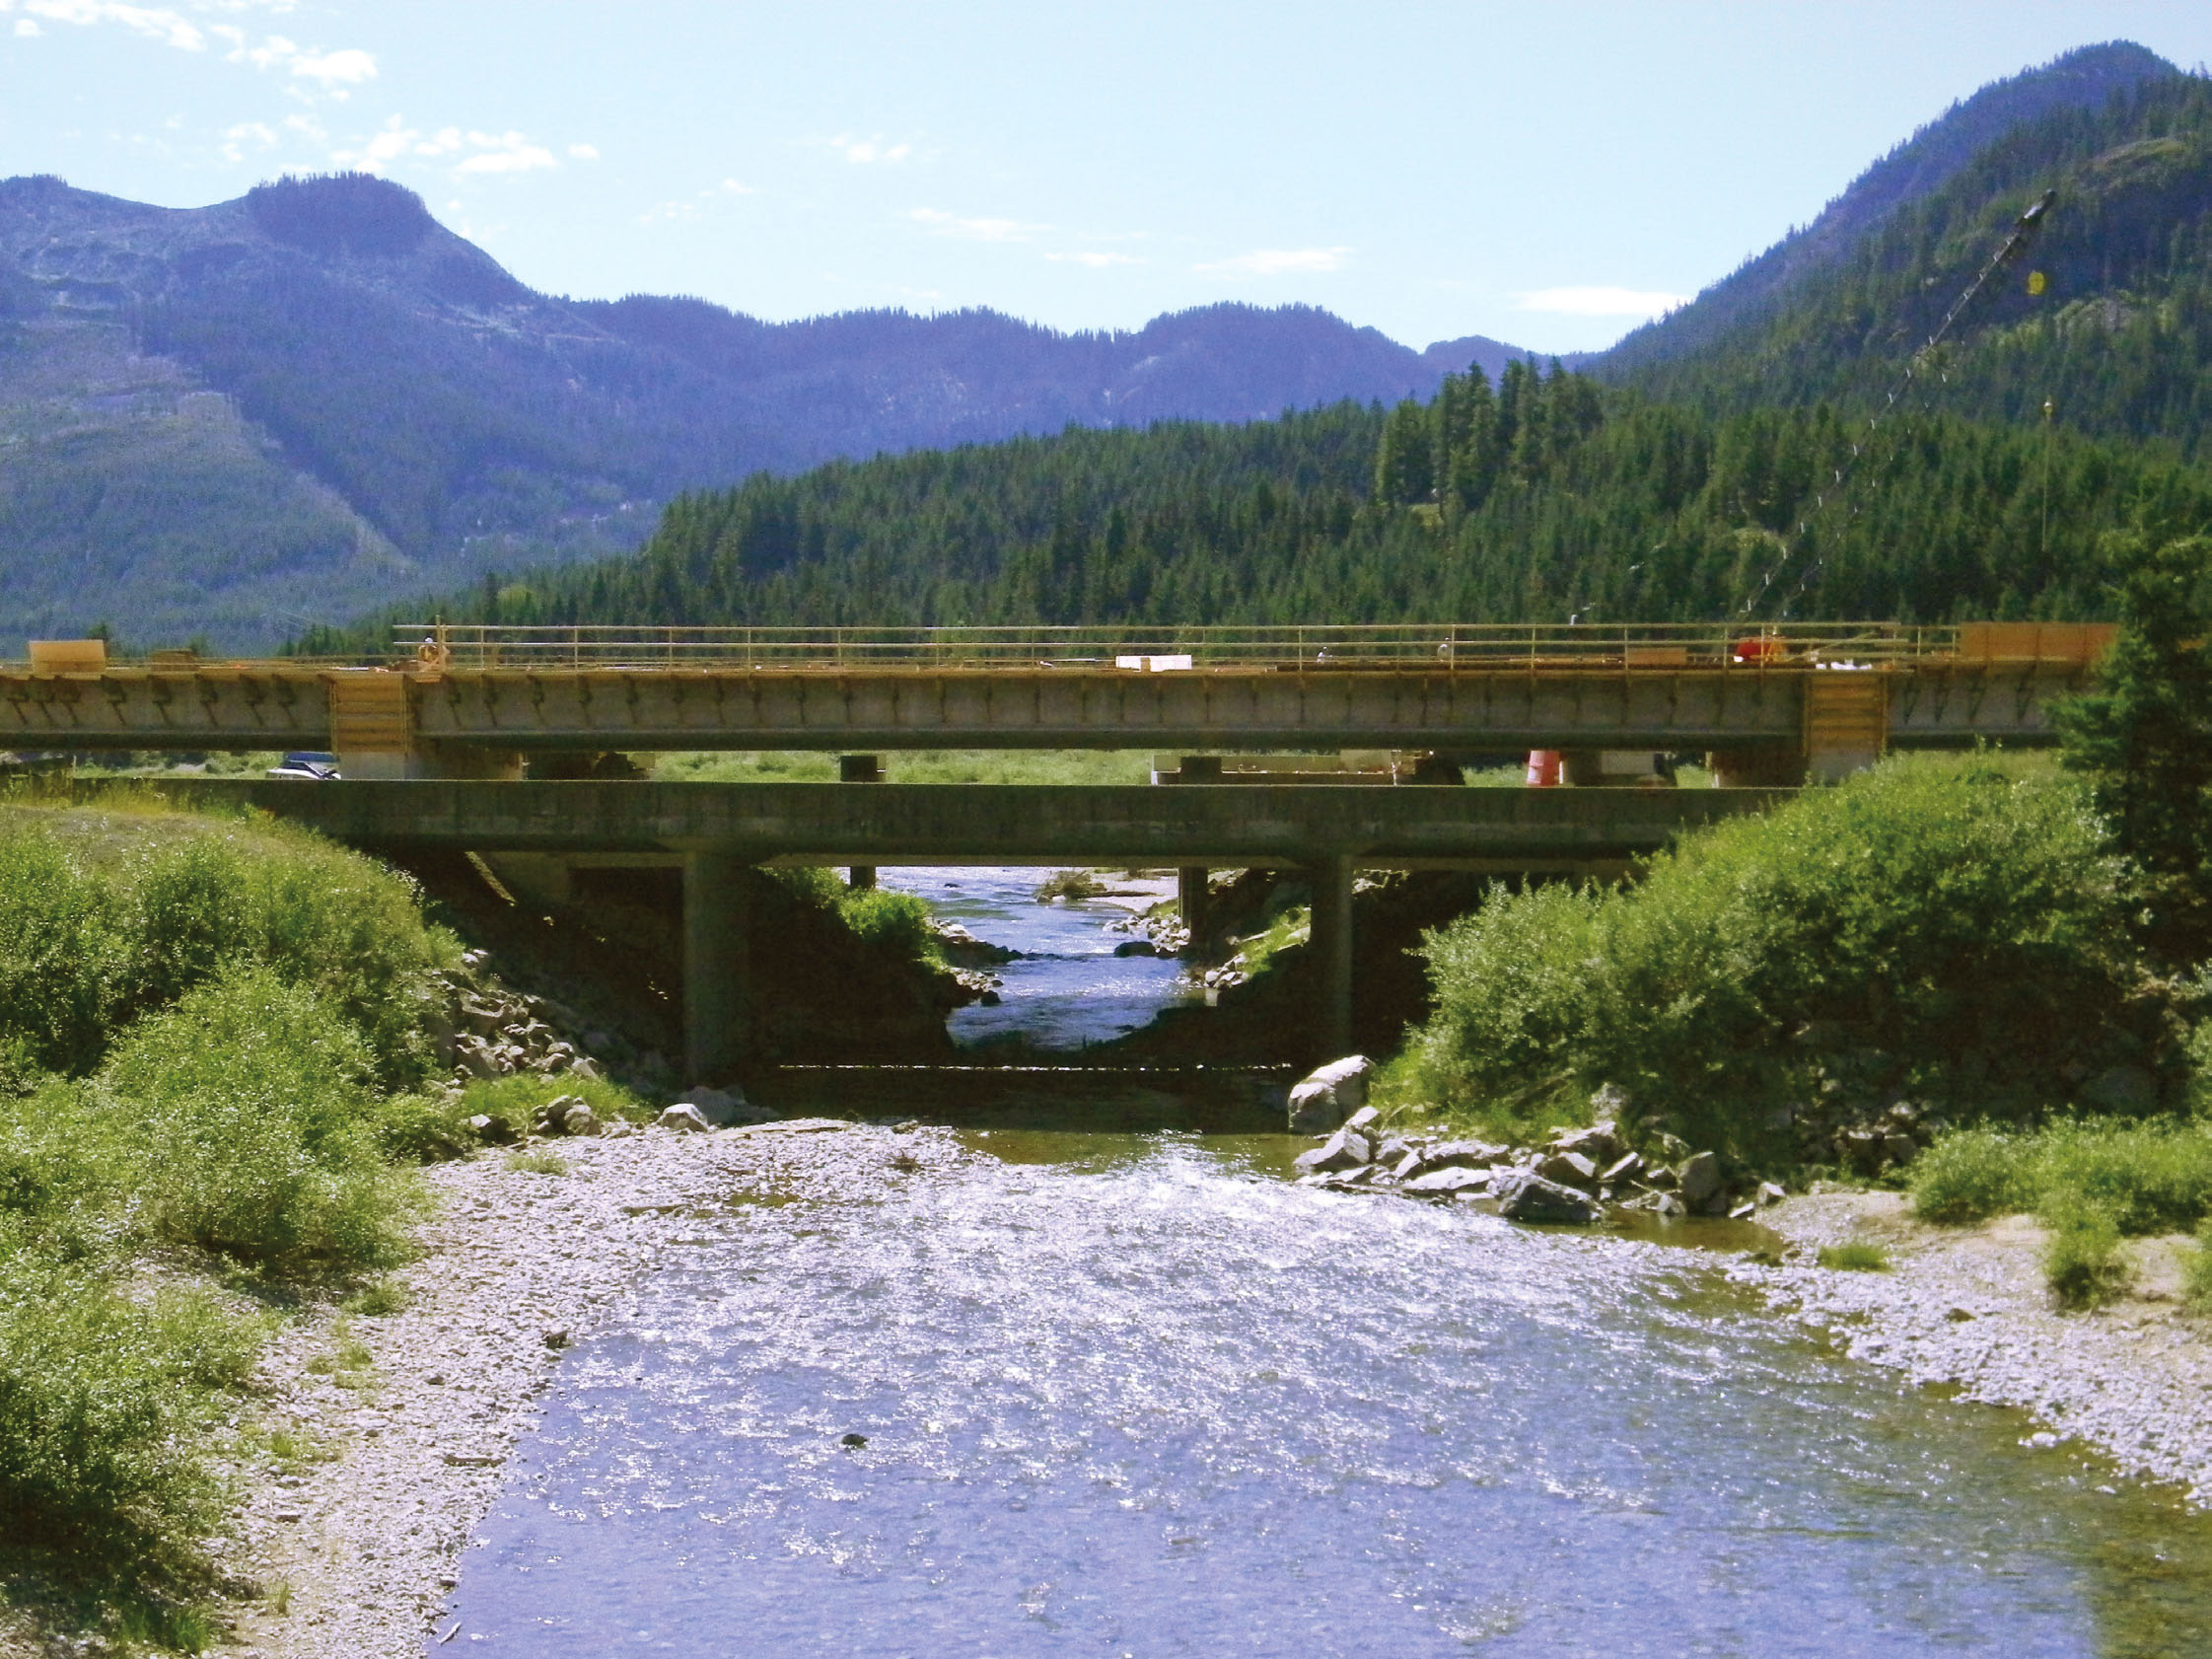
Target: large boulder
1346,1149
683,1118
1525,1195
722,1107
1447,1184
1328,1095
1699,1180
1569,1169
1465,1154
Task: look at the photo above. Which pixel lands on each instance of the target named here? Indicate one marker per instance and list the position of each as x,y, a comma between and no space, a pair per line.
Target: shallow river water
1138,1395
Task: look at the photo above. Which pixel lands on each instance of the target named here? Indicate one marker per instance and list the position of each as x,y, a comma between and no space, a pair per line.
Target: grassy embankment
217,1065
1946,936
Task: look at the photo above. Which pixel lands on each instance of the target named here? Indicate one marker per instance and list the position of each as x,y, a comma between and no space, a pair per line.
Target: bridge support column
860,768
1332,940
716,965
1190,904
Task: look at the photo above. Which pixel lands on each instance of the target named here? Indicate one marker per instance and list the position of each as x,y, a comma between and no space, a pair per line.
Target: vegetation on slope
1542,499
2107,315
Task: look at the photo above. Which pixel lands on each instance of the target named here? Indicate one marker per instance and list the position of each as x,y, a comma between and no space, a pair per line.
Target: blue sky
1539,172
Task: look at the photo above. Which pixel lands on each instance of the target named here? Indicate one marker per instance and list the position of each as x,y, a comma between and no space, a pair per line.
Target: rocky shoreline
402,1424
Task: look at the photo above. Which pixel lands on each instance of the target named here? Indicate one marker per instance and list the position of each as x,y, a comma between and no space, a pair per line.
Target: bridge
433,741
1772,707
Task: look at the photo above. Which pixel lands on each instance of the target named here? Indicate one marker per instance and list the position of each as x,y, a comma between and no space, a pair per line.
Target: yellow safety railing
1486,646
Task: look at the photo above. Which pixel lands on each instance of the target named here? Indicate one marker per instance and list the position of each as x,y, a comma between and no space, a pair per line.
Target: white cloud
479,152
156,23
505,152
732,187
974,230
584,152
1601,302
26,30
861,151
1278,261
1097,262
350,66
258,133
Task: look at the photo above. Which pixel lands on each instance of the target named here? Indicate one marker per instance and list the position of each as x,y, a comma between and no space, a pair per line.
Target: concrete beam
979,824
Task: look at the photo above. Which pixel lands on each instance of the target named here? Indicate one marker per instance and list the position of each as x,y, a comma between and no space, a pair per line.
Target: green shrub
2081,1256
422,1129
2142,1177
1957,920
897,922
1856,1256
1975,1173
67,1173
102,1404
87,945
249,1098
62,955
1512,985
2199,1269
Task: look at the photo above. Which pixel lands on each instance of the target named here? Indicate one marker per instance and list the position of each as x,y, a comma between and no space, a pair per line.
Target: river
1015,1392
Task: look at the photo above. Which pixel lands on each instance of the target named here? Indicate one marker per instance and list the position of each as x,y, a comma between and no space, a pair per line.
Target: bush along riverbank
1930,974
227,1050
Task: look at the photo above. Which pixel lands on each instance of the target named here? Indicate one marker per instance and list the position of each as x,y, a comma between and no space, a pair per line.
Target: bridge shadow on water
1104,1100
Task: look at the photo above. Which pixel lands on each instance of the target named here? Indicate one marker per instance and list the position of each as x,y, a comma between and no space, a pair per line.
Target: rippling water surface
1136,1395
1069,989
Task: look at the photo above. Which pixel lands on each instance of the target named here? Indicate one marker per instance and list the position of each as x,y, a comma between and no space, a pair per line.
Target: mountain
2102,318
2083,80
240,419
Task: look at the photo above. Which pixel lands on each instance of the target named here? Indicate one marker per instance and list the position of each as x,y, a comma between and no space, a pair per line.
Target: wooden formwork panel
369,713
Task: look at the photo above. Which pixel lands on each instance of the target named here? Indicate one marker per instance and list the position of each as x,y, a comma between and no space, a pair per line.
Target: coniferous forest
1547,497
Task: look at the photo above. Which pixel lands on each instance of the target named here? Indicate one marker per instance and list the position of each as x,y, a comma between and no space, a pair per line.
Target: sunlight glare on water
1138,1395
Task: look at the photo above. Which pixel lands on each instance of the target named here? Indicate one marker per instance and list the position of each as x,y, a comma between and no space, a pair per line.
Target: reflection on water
1138,1395
1069,989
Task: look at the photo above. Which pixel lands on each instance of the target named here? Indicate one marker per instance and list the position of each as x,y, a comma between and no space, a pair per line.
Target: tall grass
201,1025
89,942
2090,1182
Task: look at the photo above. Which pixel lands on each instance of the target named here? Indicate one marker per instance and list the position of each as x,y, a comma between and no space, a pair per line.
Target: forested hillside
240,419
1545,498
2106,313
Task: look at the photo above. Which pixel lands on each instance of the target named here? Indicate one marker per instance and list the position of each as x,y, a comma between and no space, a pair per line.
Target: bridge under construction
433,743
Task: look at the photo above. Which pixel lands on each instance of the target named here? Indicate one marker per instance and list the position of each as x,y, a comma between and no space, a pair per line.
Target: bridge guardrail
1657,646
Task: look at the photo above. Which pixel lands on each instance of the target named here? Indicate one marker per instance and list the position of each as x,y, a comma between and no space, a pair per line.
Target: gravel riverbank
355,1552
1968,1307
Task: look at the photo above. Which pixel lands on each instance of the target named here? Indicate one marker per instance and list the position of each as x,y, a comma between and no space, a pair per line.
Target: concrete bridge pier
717,962
1191,902
1332,940
860,768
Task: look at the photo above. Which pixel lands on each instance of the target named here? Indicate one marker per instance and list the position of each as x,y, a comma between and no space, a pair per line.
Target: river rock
1771,1193
1329,1094
580,1119
1671,1205
1447,1183
1699,1179
1136,947
1345,1149
1600,1143
684,1117
1629,1166
720,1106
1525,1195
1569,1169
1465,1154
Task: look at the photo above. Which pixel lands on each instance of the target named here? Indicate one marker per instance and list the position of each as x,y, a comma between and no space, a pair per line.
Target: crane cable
2023,232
